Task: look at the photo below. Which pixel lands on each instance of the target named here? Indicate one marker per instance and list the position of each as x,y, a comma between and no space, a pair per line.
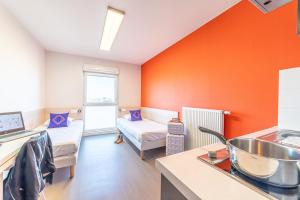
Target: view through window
100,101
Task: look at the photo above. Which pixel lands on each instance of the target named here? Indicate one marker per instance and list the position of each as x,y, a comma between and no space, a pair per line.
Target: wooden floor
106,171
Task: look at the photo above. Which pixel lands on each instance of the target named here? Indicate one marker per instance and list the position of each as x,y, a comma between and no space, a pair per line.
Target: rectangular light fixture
112,24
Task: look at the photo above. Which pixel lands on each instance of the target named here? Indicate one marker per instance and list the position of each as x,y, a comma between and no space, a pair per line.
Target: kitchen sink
285,137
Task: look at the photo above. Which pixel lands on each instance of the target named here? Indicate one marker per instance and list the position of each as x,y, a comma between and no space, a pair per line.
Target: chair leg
1,185
72,171
42,196
142,155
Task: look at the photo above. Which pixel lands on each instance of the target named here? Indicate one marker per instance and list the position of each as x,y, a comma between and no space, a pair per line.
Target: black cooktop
277,192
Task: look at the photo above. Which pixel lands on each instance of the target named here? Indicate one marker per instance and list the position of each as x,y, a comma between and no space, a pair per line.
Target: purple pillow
135,115
58,120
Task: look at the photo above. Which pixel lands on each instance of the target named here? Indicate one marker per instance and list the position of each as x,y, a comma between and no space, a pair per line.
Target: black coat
34,163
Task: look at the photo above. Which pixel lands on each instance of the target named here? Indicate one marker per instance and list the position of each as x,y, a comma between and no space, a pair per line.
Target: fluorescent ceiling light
112,24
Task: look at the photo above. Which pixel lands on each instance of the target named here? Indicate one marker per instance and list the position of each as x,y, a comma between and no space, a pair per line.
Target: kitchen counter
196,179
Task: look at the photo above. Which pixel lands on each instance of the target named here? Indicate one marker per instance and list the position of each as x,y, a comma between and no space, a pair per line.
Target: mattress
144,130
66,140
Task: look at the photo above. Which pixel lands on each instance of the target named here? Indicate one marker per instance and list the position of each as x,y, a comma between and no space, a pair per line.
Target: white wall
64,84
289,99
22,67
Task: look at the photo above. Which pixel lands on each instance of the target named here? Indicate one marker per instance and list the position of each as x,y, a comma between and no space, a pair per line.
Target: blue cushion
58,120
135,115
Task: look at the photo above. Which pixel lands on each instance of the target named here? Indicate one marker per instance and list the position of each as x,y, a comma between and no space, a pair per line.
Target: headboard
73,112
125,110
158,115
33,118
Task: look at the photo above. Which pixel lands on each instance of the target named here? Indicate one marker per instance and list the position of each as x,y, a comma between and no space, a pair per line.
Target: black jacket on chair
34,164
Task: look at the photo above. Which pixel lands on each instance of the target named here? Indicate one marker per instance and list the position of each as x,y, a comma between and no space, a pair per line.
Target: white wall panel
289,99
22,67
64,83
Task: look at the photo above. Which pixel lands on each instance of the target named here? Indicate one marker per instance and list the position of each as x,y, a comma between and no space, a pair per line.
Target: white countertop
9,150
196,179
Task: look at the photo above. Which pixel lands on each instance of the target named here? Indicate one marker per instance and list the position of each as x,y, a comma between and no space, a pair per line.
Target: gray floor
106,171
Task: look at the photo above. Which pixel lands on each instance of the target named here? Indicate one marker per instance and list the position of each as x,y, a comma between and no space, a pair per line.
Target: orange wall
231,63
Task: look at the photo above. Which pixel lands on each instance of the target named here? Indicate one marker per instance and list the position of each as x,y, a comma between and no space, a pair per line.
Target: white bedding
145,130
66,140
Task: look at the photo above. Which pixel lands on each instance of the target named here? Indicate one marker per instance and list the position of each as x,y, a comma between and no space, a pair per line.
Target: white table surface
196,179
8,152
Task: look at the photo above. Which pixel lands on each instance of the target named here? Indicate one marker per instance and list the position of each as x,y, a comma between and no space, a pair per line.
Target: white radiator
195,117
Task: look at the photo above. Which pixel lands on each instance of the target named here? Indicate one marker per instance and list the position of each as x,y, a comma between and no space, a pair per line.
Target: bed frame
157,115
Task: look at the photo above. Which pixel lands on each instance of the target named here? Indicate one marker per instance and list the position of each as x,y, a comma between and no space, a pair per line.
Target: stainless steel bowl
268,162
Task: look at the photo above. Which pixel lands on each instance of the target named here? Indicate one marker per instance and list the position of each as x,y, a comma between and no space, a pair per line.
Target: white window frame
87,104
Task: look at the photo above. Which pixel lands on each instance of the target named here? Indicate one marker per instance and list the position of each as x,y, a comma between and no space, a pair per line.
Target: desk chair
34,164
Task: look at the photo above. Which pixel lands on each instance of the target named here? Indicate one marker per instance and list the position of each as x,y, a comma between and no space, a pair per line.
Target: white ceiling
149,27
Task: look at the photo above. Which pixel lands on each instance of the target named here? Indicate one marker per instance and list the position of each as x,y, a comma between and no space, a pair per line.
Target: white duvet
66,140
144,130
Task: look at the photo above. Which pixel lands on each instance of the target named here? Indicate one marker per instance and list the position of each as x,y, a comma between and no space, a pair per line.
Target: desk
8,153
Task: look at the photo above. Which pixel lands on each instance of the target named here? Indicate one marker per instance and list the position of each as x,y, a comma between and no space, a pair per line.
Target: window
101,102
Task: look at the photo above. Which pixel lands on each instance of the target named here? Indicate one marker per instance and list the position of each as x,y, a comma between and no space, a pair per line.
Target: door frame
86,104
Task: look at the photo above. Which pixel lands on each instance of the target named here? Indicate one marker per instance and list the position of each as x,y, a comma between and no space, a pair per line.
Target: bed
66,144
150,133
